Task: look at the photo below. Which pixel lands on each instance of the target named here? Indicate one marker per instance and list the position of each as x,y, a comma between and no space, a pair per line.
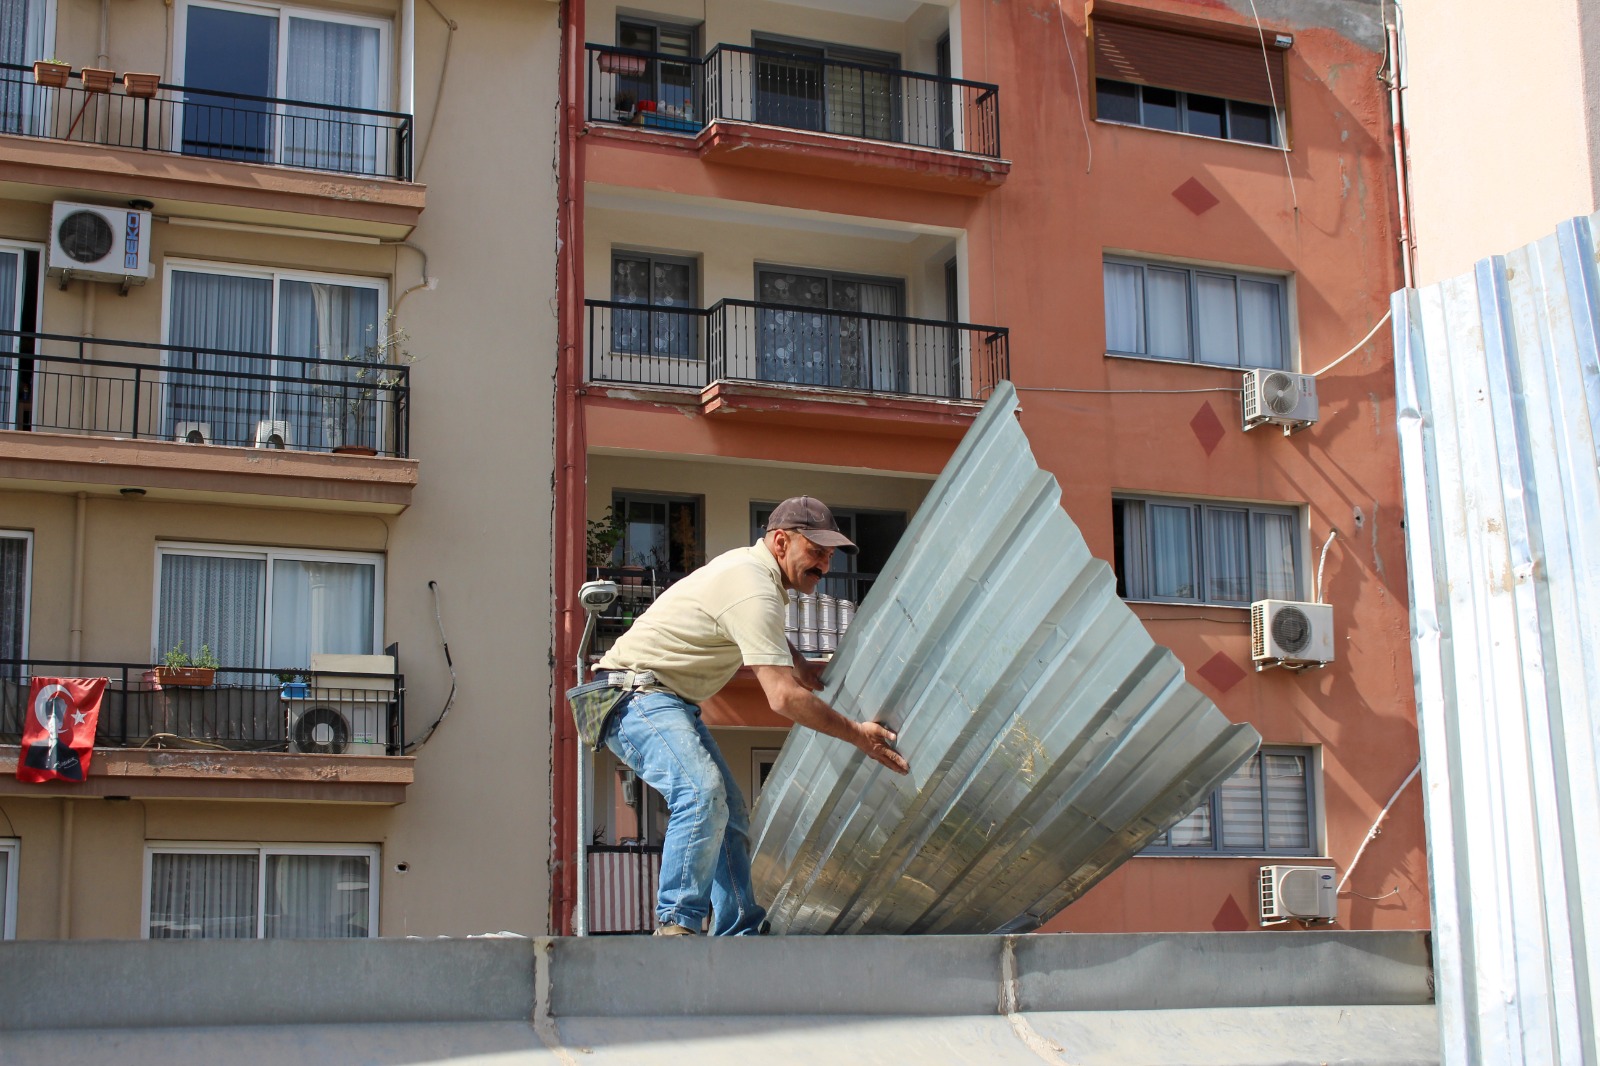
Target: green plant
178,659
605,534
289,677
349,384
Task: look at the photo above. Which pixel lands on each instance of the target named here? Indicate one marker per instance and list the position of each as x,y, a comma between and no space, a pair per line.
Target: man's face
802,563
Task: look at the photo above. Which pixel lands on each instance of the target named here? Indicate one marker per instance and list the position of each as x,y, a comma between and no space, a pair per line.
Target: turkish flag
58,730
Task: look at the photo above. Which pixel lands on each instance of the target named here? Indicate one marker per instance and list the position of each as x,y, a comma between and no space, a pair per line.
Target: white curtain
212,896
1241,807
13,599
1171,551
320,607
885,341
224,312
1124,295
332,404
317,896
216,601
1167,295
1227,551
1274,537
10,318
21,42
1217,319
1260,323
336,64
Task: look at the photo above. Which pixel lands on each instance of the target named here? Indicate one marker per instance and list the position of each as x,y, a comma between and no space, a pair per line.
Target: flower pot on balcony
354,449
97,79
294,690
611,63
185,676
51,74
143,86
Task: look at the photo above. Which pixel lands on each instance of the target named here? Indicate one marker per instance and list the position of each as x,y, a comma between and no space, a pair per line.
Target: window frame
692,54
1197,546
283,12
372,852
620,498
268,555
26,536
1213,801
273,274
12,847
30,298
1273,116
1284,283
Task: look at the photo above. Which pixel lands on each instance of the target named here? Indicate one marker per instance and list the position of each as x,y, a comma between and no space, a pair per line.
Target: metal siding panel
1049,737
1499,395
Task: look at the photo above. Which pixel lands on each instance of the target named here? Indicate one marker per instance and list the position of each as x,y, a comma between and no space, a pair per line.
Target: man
678,654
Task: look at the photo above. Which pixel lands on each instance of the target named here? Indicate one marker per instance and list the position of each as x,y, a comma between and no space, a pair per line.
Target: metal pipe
1402,177
64,897
81,523
580,910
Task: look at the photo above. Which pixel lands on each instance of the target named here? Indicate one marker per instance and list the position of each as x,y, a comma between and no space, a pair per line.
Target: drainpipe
408,62
64,897
1402,173
103,57
75,634
571,478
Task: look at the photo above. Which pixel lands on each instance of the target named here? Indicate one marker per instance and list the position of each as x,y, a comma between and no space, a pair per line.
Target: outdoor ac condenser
192,432
1308,893
1290,633
1279,398
99,243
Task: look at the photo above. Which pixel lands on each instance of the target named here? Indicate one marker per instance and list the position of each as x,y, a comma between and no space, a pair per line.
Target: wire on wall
1272,91
1370,333
433,586
1078,87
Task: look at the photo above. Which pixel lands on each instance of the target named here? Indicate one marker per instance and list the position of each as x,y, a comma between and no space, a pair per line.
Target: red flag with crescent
58,729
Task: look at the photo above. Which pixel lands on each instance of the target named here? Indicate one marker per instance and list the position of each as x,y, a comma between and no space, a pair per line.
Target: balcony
93,141
148,406
805,114
335,735
796,349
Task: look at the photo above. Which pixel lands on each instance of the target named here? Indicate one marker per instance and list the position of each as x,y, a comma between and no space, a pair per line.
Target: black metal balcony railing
740,340
796,91
215,125
60,384
248,709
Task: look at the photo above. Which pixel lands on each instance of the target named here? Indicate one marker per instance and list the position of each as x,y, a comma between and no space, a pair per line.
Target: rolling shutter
1231,64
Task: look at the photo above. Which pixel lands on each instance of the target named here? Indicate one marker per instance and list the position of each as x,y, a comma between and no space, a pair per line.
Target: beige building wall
473,286
1502,106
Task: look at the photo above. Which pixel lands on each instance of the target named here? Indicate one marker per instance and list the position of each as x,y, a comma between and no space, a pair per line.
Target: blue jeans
705,858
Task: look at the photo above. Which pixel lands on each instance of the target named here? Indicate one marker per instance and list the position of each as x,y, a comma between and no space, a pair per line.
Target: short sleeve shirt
702,629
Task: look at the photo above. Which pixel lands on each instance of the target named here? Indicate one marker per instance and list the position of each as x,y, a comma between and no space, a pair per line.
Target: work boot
673,929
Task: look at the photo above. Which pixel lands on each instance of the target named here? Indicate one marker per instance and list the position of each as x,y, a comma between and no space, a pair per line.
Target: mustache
815,571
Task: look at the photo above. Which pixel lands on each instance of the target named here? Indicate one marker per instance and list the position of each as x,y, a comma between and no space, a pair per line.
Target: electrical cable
1083,114
1373,832
1125,392
449,663
1377,326
444,73
1395,891
1323,561
1272,91
10,826
189,741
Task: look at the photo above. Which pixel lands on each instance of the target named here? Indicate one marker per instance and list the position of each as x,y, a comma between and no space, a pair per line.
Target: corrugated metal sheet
1049,737
1499,393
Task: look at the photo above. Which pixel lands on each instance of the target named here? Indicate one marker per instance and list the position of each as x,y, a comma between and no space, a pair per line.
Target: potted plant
97,79
604,535
624,104
142,86
293,684
179,669
52,73
349,390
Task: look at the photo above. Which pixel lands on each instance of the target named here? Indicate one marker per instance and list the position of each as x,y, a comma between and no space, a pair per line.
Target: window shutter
1173,59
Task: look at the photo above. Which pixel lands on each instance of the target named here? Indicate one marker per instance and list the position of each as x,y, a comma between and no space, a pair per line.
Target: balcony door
832,89
19,303
820,342
666,284
265,71
667,81
24,33
223,333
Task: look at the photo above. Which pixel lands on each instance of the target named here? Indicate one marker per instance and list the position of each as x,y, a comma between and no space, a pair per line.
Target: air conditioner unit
1287,632
1279,398
273,433
1308,893
99,243
192,432
343,715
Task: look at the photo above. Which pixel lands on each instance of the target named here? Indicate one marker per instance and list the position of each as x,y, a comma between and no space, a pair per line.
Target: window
19,308
8,888
762,760
875,533
25,33
1192,552
1268,807
1188,75
307,316
656,281
1195,314
15,575
247,891
266,608
668,80
297,54
810,86
834,348
659,532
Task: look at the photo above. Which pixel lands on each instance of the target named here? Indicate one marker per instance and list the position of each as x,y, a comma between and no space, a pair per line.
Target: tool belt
593,704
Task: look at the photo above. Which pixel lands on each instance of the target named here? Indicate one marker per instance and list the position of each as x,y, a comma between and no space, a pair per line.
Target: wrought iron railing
65,384
793,90
215,125
741,340
242,709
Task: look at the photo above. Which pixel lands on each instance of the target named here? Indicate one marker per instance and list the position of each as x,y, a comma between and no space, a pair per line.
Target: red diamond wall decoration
1221,672
1208,428
1195,197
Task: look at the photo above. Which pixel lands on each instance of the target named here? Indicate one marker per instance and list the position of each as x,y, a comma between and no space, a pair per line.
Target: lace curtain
234,314
337,64
10,279
21,42
226,896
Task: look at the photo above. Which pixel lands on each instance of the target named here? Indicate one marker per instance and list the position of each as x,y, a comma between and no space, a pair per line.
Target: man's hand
876,741
808,673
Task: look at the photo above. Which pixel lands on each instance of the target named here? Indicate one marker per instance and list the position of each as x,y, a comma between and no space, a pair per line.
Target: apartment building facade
806,242
276,342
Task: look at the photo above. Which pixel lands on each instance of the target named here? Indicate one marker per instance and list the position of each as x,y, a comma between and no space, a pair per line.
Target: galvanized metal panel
1499,395
1049,737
